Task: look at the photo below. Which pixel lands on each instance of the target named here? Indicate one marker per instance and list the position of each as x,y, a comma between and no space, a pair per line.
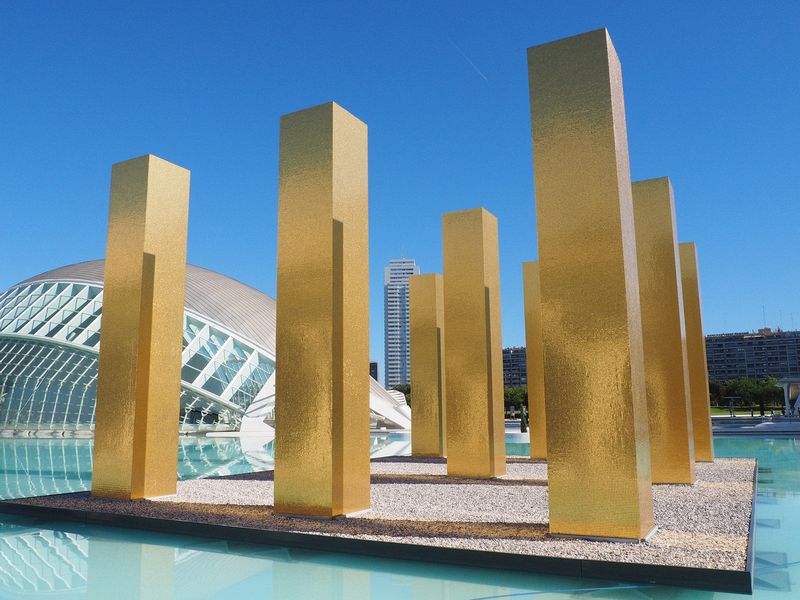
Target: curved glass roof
217,298
228,357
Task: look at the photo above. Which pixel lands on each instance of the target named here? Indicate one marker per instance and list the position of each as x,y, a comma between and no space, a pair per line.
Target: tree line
764,394
744,393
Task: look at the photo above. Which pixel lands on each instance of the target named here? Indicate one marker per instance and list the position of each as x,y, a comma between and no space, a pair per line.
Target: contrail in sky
466,58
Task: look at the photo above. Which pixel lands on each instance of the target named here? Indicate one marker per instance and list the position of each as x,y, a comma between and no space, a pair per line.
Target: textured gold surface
472,346
139,372
428,415
534,359
597,440
322,338
664,332
696,354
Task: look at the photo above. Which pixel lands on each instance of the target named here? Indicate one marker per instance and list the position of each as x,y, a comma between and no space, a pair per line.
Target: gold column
534,352
428,422
472,347
696,355
322,338
597,441
139,372
664,332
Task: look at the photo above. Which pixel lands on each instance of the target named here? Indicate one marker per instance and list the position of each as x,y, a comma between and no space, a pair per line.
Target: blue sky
712,94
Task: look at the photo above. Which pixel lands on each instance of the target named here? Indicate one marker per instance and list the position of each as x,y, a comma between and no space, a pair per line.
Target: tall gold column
322,337
696,355
428,418
472,347
534,352
597,441
664,332
139,372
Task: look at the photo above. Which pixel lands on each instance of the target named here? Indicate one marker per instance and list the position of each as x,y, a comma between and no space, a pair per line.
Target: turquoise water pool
69,560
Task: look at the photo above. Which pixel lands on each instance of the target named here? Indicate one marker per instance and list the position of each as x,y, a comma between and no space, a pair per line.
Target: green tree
716,391
763,393
516,396
768,394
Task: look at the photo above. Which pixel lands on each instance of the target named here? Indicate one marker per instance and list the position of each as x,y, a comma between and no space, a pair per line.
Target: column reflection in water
597,440
130,570
296,578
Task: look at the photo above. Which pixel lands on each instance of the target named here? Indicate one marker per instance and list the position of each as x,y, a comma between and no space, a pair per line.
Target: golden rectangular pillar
597,441
139,372
428,418
322,337
696,355
534,352
472,347
664,332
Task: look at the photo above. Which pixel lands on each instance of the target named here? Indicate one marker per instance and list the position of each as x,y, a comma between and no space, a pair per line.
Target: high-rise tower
397,361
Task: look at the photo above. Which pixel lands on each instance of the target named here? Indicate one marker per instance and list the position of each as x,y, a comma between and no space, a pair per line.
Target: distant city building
755,355
515,366
397,359
373,370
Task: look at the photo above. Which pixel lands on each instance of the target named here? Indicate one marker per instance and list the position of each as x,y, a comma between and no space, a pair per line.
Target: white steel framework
50,339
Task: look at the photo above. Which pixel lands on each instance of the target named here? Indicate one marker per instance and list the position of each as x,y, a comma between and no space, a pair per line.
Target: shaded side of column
473,346
428,413
534,356
322,336
696,354
664,332
139,371
597,440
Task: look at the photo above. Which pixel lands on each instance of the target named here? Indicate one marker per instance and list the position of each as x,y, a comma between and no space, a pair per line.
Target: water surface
67,560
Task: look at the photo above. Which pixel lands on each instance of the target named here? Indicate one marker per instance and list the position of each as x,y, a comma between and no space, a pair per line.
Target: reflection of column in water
424,587
123,570
462,583
303,579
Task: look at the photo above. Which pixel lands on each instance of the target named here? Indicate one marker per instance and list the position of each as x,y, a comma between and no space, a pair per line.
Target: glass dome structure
50,339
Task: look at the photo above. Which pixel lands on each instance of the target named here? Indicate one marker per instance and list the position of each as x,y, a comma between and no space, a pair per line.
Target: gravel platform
703,525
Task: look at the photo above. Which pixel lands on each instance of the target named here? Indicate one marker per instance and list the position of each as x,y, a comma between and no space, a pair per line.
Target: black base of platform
720,580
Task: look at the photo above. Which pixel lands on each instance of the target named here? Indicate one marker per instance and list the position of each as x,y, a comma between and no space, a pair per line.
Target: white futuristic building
50,338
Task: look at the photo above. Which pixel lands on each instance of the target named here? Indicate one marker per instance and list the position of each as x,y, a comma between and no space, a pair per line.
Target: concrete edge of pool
716,579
